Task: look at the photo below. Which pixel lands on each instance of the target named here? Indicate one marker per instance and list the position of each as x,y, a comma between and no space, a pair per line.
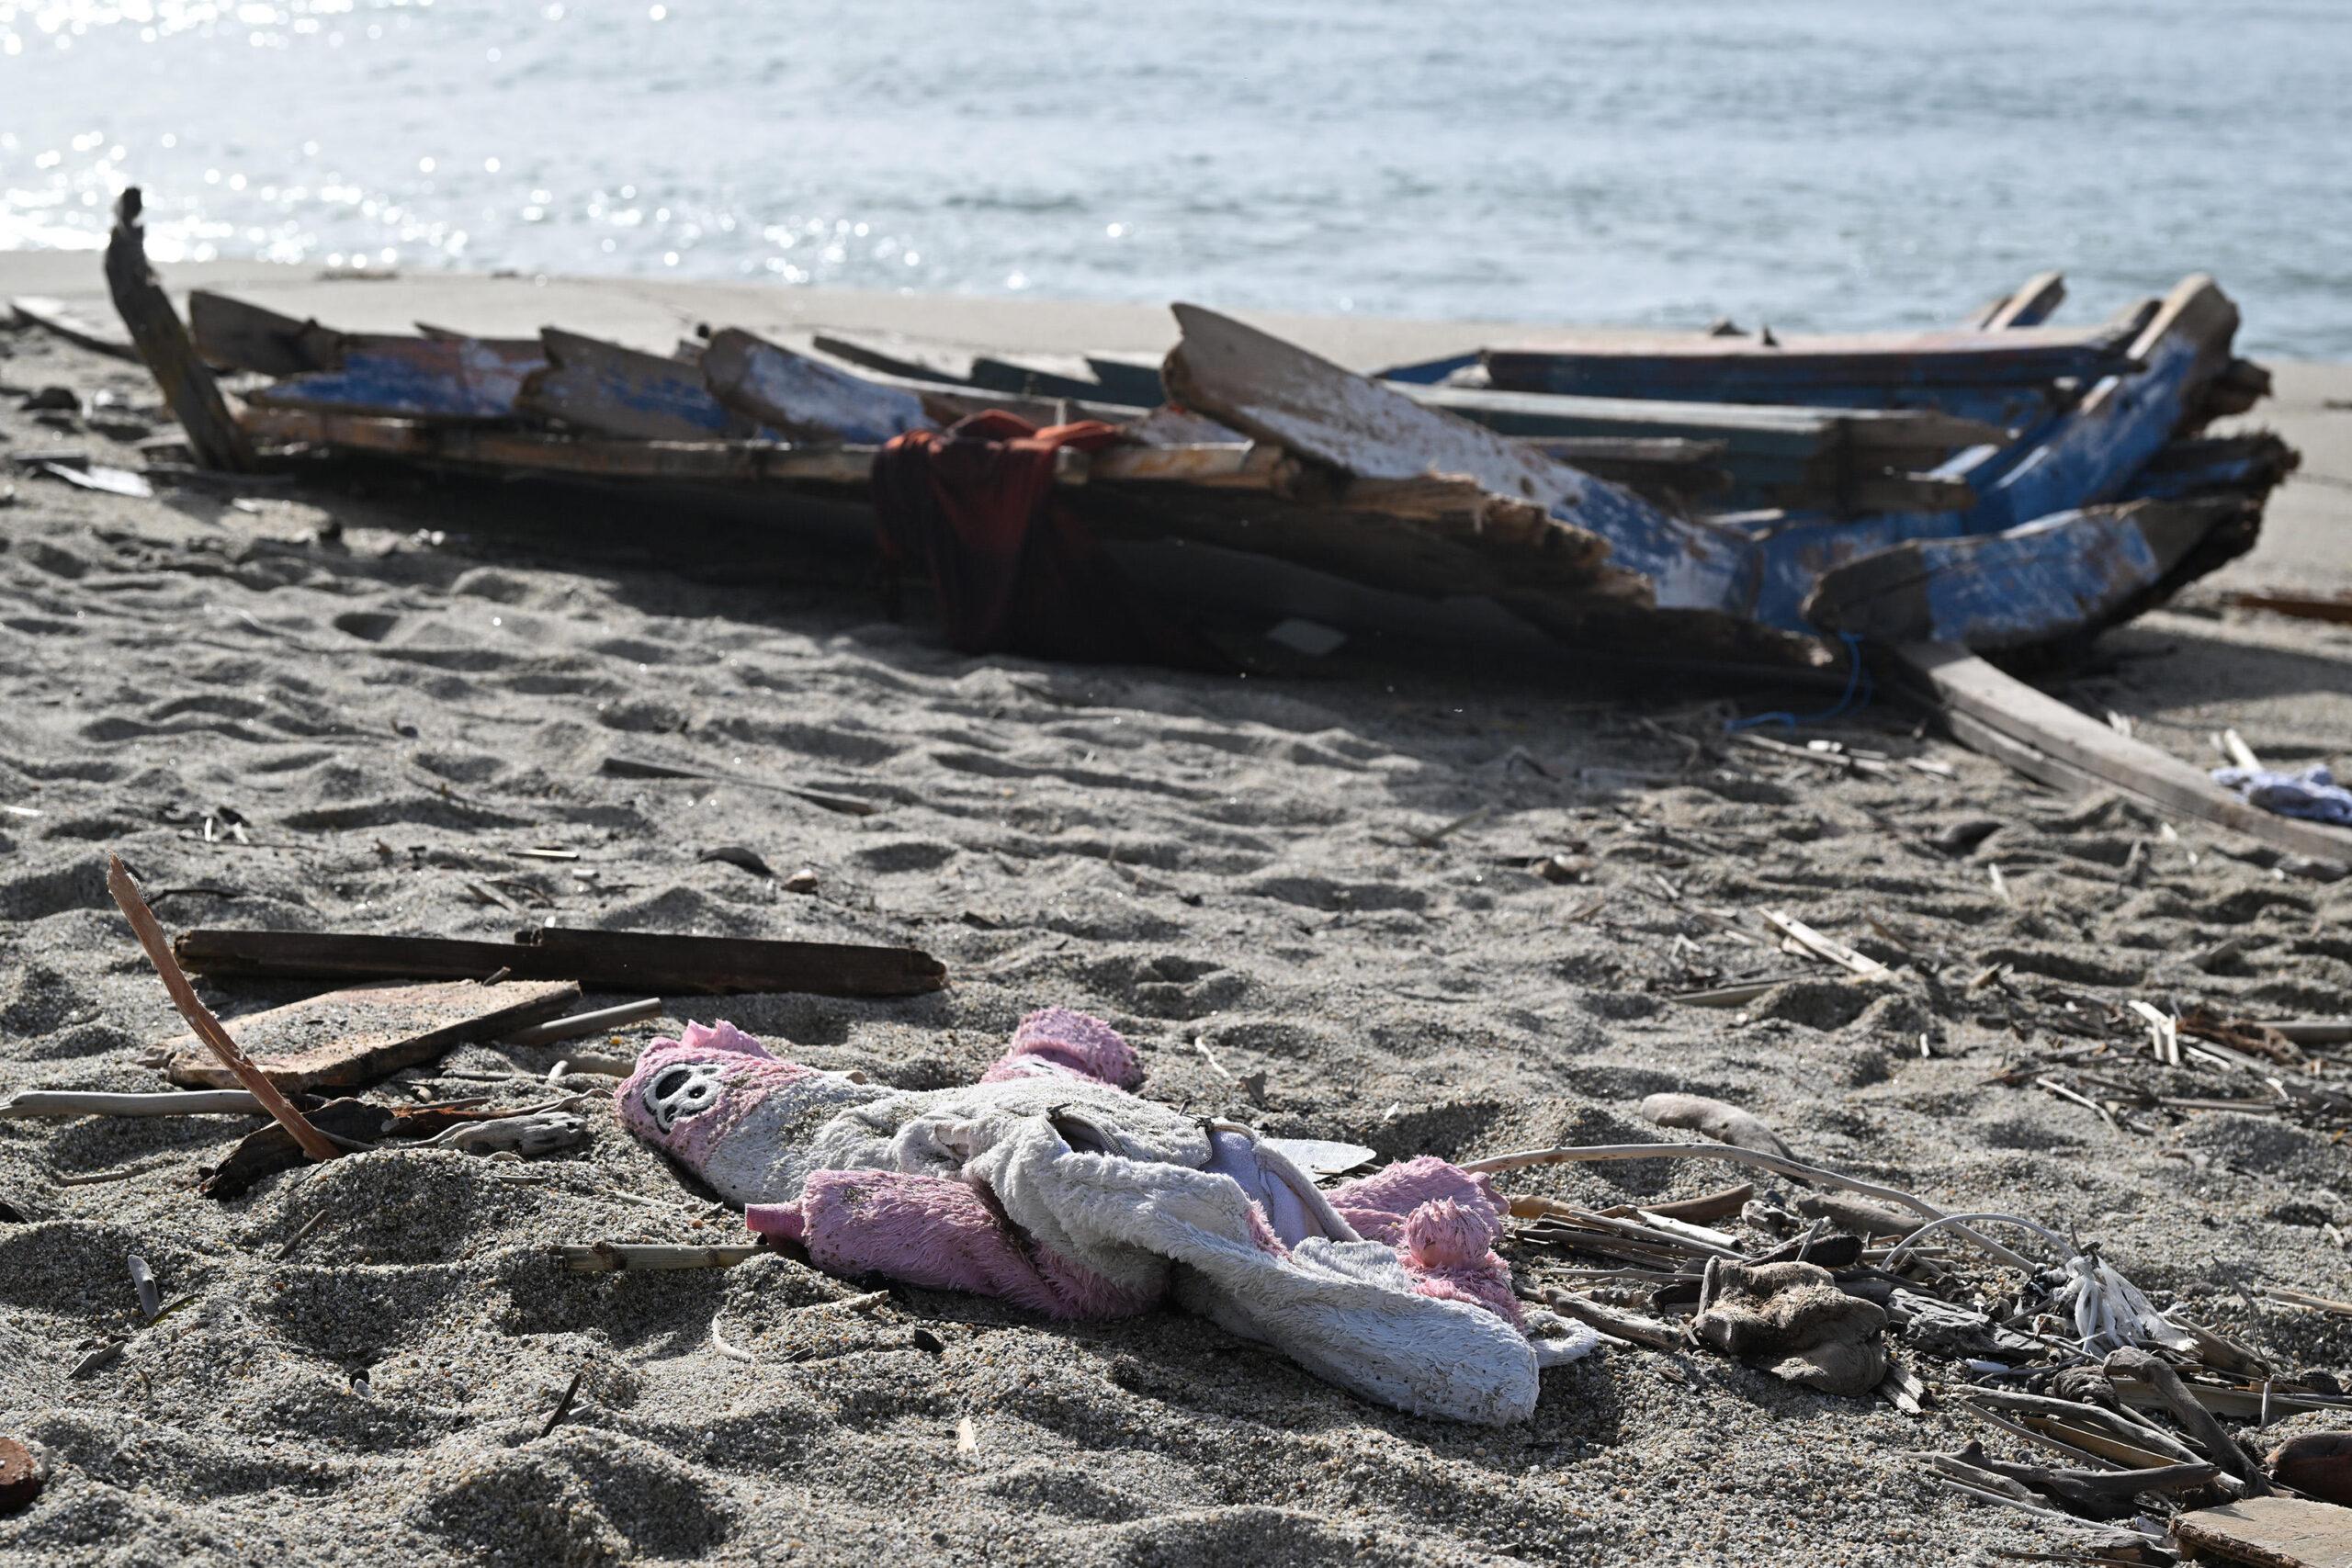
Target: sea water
1815,163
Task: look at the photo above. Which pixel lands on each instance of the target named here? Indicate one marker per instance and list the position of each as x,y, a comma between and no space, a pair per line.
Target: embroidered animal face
683,1089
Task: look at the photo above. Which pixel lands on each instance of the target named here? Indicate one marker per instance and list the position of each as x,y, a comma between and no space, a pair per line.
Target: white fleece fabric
1345,1310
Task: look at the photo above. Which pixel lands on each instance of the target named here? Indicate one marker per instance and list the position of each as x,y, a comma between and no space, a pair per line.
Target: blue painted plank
454,378
804,398
611,390
2247,465
2089,454
1430,372
2075,460
2019,587
1745,370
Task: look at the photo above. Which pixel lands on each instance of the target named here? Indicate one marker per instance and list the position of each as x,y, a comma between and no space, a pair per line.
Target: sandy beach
387,687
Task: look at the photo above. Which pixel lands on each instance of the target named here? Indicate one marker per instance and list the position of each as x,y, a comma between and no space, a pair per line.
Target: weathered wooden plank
2030,306
186,383
615,961
2089,453
2251,465
1041,376
1128,377
490,446
946,402
1739,369
1275,391
1965,687
2268,1532
352,1038
415,378
60,319
2079,458
2050,578
803,397
898,356
236,335
608,389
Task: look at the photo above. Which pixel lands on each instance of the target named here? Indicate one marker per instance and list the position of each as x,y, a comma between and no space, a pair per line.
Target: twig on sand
208,1028
733,1353
582,1023
95,1102
563,1406
105,1355
1737,1156
120,1173
1617,1325
616,1257
294,1242
2303,1298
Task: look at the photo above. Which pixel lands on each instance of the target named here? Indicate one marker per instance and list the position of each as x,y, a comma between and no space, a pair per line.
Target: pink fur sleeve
929,1231
1059,1043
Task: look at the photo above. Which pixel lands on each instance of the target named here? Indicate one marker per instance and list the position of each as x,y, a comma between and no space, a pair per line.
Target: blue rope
1857,695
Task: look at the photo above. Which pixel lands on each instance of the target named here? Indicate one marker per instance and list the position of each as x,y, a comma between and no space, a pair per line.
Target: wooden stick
582,1023
1617,1325
1737,1156
92,1102
618,1257
2304,1299
208,1028
155,330
2199,1422
2120,1426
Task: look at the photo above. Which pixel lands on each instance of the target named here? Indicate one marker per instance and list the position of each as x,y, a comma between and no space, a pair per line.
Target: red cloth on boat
1016,568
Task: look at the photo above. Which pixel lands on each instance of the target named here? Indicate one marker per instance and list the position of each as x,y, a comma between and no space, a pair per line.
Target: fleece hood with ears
1049,1185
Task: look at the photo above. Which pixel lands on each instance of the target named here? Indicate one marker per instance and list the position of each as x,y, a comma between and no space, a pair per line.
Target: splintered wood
351,1038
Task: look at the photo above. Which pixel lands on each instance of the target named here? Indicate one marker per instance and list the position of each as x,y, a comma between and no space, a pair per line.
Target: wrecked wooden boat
1432,497
2082,515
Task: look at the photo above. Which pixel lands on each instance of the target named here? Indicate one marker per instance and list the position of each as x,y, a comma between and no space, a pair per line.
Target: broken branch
207,1027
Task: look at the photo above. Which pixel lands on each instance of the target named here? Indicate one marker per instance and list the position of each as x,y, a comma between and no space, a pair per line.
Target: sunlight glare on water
1822,163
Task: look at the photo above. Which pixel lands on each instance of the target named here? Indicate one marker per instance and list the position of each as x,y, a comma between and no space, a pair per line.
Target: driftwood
199,1018
1776,1163
212,434
1633,1330
2194,1419
2045,739
357,1122
369,1033
1725,1123
60,319
1864,1219
612,961
2135,1434
1706,1207
2099,1494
